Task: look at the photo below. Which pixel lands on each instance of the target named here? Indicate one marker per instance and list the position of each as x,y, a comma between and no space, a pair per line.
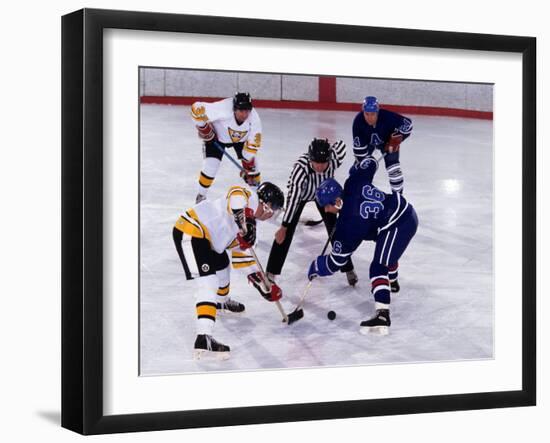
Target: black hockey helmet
270,193
319,150
242,101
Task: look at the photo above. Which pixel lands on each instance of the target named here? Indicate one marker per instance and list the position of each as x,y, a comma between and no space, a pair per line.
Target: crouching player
366,213
214,228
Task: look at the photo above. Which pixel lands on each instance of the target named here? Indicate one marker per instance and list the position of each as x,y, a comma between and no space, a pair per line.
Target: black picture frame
82,218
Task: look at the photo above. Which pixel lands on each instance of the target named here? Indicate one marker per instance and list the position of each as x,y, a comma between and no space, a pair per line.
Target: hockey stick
298,312
381,157
241,168
267,284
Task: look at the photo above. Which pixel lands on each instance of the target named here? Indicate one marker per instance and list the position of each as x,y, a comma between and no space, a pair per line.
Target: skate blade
228,312
202,354
377,330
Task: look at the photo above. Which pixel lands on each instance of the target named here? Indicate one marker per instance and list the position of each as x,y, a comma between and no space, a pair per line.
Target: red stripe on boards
328,106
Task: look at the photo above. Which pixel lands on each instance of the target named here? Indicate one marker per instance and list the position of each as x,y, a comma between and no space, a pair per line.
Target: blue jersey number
372,204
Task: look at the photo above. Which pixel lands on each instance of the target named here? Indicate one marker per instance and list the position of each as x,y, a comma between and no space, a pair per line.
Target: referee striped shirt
304,181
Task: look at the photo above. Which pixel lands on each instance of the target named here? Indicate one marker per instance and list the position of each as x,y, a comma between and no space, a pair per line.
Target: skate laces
231,303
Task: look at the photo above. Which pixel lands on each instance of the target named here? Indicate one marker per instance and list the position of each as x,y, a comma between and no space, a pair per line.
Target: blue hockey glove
319,268
312,273
369,163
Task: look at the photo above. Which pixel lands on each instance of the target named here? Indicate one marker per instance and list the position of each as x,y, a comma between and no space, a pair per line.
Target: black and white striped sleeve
297,177
338,153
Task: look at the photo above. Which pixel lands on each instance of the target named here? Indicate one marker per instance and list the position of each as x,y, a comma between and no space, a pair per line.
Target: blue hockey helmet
370,104
327,192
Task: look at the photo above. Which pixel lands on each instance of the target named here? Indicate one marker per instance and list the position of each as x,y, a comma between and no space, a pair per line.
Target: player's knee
414,218
208,284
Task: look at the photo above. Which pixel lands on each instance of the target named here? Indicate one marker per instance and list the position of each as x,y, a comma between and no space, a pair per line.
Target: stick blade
295,315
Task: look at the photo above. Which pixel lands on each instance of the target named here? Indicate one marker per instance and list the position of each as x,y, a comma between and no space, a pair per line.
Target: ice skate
379,324
207,346
394,286
352,278
230,305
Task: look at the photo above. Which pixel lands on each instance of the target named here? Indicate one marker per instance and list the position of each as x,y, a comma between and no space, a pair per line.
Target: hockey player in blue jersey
375,128
366,213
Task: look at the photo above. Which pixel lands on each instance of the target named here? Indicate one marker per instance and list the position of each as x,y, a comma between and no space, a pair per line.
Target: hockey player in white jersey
229,123
214,228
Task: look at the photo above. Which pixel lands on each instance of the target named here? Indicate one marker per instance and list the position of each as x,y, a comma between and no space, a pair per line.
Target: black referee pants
278,253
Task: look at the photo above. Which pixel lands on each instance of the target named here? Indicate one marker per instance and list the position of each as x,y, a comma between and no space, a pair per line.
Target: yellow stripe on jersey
253,146
223,290
233,244
241,259
234,191
257,140
243,264
198,112
235,254
205,180
251,149
205,309
190,224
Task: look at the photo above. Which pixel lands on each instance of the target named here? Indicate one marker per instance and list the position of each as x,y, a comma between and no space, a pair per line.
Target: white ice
443,312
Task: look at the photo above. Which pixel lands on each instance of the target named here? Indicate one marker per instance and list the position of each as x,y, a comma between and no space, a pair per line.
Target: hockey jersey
228,131
367,138
366,212
214,220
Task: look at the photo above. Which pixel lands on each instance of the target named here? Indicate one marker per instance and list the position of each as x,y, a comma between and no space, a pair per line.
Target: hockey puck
331,315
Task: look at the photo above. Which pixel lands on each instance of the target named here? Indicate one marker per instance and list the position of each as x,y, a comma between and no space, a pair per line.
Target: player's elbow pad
198,113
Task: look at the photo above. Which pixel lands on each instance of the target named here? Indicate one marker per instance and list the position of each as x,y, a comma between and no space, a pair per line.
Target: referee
309,171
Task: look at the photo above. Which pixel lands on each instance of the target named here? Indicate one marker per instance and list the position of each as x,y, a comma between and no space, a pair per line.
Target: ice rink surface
444,311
